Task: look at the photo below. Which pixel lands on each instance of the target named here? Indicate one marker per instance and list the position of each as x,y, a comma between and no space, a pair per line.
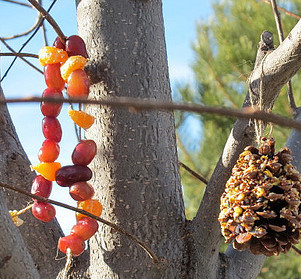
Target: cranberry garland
64,63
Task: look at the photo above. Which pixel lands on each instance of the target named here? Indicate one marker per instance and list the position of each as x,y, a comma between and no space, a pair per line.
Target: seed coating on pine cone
261,207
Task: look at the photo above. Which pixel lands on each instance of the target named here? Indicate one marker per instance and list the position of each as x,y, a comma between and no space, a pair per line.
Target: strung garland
64,63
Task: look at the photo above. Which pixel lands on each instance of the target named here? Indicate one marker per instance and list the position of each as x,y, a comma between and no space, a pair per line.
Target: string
79,128
271,130
68,264
17,213
258,124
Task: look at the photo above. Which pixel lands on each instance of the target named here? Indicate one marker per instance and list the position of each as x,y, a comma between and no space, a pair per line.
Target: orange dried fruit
72,63
52,55
92,206
81,118
47,170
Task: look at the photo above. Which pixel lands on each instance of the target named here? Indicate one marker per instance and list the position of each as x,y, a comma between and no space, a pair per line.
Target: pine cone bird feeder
261,206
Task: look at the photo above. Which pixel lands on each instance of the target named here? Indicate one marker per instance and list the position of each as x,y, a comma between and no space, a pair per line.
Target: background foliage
225,50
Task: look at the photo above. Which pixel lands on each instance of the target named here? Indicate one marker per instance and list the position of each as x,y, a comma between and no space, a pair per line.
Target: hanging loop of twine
258,124
68,263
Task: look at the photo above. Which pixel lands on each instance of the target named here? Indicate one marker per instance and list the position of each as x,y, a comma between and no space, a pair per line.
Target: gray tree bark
136,168
15,259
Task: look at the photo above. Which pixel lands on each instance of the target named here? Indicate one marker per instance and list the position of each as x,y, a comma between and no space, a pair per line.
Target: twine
68,264
258,124
13,214
79,128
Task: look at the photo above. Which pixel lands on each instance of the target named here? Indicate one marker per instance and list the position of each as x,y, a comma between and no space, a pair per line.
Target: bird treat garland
64,63
261,206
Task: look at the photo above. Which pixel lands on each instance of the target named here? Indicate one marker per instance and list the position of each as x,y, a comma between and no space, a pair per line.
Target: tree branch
36,24
49,18
266,80
136,105
284,10
22,54
27,41
281,38
193,173
298,251
151,254
18,3
21,57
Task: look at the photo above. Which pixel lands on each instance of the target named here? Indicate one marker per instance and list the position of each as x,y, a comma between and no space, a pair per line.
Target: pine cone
261,205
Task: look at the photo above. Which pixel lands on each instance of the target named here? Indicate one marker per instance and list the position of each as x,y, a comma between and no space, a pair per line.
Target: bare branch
281,38
284,10
27,62
27,41
151,254
36,24
19,54
193,173
44,33
137,105
298,251
43,28
18,3
49,18
277,20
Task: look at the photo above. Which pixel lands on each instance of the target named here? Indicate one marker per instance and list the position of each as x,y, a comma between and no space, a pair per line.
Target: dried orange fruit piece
92,206
47,170
52,55
72,63
81,118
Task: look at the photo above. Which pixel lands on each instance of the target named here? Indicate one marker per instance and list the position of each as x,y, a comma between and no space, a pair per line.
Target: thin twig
283,10
186,154
291,98
27,41
137,105
22,54
193,173
277,20
19,3
39,19
298,251
106,222
50,19
43,27
44,33
13,51
290,93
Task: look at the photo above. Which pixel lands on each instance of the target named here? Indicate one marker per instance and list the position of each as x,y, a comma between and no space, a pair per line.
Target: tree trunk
136,169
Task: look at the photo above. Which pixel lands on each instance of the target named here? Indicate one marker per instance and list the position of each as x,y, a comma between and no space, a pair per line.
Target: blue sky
180,20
